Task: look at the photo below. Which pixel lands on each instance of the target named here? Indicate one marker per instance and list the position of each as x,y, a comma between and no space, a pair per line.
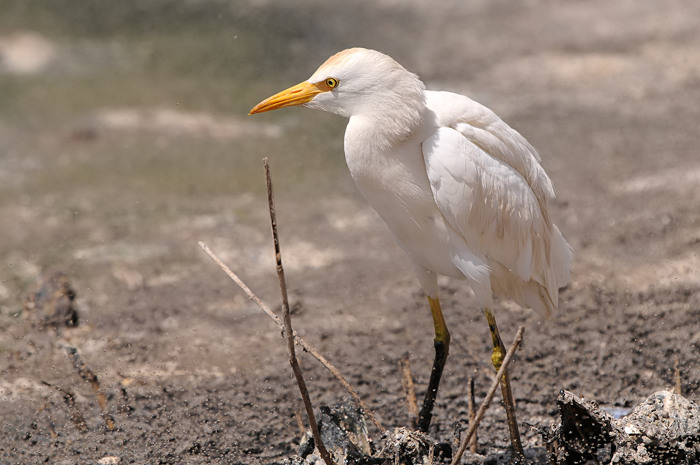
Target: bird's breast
395,183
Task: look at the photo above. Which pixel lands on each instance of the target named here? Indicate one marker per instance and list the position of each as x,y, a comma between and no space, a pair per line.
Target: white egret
463,193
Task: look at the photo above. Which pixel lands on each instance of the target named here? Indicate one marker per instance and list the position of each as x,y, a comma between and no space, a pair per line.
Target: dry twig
471,404
677,388
88,375
289,336
298,339
75,416
492,391
409,389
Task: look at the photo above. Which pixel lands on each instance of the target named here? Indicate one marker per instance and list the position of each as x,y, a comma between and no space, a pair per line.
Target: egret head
356,81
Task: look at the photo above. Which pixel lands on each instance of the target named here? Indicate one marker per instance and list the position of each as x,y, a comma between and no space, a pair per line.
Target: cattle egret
463,193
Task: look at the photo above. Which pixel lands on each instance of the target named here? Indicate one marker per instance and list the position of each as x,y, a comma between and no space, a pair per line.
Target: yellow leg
497,356
441,333
499,350
442,347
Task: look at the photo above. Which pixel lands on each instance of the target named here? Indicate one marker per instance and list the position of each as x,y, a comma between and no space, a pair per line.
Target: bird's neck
393,114
373,153
385,126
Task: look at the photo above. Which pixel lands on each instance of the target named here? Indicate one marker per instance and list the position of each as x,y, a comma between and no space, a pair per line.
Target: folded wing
487,182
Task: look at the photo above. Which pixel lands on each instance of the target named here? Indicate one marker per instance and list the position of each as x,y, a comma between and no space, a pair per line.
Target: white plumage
462,192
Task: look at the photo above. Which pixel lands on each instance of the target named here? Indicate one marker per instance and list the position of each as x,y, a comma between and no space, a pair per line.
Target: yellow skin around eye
331,83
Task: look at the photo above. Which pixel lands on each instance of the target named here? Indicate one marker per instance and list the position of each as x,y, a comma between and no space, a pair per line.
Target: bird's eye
332,83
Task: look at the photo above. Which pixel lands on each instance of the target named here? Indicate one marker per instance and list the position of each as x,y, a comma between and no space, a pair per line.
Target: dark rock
664,429
52,303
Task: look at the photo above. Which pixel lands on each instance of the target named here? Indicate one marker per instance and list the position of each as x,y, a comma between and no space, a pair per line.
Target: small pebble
111,460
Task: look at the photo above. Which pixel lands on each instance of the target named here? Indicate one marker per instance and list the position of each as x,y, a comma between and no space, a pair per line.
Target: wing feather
488,183
489,203
489,132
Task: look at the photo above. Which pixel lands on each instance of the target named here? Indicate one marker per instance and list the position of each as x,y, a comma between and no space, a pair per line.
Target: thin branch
289,336
88,375
298,339
492,391
75,415
471,403
409,389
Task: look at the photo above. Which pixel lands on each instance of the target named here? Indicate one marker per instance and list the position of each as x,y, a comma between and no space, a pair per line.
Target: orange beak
297,95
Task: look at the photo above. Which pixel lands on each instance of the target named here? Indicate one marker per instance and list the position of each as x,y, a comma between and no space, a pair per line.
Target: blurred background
124,140
119,121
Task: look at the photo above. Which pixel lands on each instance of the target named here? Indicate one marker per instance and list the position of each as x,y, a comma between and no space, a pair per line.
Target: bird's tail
561,259
539,293
558,272
537,297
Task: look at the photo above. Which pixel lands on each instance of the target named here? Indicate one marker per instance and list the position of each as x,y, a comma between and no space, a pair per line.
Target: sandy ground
194,373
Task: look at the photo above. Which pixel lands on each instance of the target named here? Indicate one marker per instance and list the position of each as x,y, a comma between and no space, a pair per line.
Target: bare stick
677,388
409,389
298,339
472,415
287,318
234,277
509,404
300,423
88,375
75,415
492,391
